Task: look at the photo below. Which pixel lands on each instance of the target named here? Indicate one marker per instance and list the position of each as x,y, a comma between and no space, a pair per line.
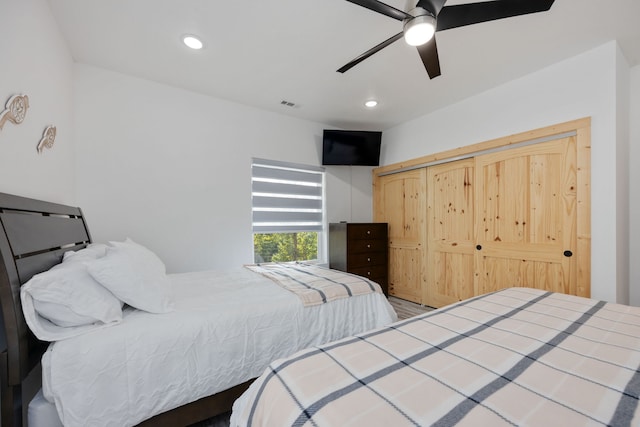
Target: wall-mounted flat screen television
351,147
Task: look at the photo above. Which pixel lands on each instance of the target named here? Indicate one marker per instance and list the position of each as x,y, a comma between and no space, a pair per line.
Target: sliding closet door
526,214
450,233
400,202
515,217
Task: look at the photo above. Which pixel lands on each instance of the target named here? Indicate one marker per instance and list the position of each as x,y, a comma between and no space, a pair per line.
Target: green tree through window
280,247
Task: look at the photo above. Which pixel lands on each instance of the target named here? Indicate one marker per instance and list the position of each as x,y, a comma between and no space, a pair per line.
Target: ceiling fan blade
429,55
370,52
473,13
382,8
433,6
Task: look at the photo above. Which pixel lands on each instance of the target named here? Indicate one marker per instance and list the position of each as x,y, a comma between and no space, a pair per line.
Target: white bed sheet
226,329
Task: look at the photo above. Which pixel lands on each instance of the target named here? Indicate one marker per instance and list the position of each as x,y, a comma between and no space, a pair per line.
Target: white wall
35,61
349,193
622,177
171,168
634,188
575,88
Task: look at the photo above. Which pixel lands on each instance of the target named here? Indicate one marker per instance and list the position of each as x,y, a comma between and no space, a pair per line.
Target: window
288,211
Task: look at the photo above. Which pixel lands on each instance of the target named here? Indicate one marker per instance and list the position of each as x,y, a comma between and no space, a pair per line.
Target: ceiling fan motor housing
420,28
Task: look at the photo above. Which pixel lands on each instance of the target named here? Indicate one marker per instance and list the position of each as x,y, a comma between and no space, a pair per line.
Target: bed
518,356
34,239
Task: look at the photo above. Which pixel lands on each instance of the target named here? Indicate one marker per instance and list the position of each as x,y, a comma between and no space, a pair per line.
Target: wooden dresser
362,249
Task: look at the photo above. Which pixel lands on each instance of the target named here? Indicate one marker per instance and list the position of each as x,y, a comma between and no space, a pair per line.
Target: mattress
516,357
226,328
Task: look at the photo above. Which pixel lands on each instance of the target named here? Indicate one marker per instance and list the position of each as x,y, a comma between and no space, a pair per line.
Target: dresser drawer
366,259
367,245
366,231
370,272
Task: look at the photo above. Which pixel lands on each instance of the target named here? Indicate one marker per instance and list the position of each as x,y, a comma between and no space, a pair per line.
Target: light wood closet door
450,233
401,202
526,218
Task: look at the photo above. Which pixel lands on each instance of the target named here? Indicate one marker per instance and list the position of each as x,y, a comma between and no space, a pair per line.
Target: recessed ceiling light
192,42
370,104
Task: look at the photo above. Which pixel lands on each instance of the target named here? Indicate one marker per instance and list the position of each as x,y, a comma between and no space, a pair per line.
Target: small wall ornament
15,111
48,138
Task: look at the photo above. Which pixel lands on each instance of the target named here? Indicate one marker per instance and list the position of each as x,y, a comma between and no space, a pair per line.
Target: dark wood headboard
34,235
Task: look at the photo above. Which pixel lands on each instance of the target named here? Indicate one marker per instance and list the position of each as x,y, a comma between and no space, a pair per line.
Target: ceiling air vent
288,104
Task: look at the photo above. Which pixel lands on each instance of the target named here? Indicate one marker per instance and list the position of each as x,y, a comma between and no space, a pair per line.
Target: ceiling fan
430,16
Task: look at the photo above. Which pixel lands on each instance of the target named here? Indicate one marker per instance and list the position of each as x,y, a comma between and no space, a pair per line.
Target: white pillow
134,275
66,296
91,252
153,259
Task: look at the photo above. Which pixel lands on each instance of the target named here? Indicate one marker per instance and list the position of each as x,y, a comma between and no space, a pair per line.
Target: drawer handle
368,231
368,259
368,245
368,273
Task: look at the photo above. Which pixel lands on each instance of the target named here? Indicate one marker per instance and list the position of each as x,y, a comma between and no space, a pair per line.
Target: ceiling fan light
419,30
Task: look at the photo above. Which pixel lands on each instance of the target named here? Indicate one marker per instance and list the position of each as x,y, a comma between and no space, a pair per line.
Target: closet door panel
503,272
400,202
405,273
403,207
450,233
526,216
450,278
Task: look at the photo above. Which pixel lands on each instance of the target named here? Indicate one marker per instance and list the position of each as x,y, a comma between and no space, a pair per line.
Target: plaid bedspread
314,284
515,357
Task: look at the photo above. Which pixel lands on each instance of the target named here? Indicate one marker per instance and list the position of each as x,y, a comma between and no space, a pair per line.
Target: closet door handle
479,247
568,254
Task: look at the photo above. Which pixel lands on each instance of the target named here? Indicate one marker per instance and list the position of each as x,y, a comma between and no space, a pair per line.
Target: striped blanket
314,284
512,358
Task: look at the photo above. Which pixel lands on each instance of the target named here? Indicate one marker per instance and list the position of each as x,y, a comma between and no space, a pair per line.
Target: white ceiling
260,53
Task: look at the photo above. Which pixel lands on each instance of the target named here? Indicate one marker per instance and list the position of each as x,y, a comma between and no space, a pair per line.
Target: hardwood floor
406,309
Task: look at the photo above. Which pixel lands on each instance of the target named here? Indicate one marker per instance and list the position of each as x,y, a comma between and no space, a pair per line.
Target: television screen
351,147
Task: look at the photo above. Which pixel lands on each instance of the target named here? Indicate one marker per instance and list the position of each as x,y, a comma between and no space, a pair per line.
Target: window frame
261,210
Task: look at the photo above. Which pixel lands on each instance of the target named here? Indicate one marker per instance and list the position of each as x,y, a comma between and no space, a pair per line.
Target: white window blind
286,197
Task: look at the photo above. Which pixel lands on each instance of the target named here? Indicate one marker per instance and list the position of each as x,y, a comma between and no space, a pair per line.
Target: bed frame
34,235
